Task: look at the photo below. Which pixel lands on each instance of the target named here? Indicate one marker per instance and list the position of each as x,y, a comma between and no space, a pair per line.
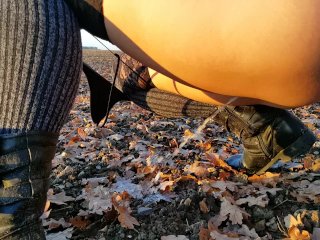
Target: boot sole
301,146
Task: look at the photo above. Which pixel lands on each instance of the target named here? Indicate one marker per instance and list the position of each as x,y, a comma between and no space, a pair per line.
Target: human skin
265,50
165,83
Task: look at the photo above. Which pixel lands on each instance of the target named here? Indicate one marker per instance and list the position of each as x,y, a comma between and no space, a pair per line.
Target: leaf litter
143,176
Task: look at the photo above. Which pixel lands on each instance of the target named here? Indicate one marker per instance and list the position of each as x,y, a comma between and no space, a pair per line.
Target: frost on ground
130,179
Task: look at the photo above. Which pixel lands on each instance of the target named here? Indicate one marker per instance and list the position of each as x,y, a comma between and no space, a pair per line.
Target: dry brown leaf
204,234
290,221
206,146
60,198
141,171
82,134
300,197
166,184
295,234
74,140
79,222
218,162
125,219
198,170
215,233
307,162
173,143
234,212
261,201
187,178
217,220
224,175
121,203
203,206
47,206
212,225
316,166
53,224
224,185
188,133
266,179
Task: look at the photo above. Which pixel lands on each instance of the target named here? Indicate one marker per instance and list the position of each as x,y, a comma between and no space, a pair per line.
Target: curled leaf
295,234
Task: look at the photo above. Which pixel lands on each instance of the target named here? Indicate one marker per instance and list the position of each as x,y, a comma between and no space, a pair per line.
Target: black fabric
100,89
90,16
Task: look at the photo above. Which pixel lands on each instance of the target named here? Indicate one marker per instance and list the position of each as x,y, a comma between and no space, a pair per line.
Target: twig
281,227
280,203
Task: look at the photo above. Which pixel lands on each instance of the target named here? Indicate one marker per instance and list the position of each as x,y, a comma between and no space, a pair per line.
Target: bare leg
165,83
242,49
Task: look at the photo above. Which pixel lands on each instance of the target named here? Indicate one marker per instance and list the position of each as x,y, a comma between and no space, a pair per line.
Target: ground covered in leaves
145,177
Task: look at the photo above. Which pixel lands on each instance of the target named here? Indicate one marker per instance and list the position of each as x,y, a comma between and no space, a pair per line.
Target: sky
89,41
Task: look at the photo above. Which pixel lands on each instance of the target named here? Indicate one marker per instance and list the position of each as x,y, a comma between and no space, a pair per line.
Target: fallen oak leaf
206,146
290,221
204,234
188,133
295,234
216,234
203,206
218,162
267,178
125,219
79,222
82,134
53,224
166,184
198,170
60,198
142,171
234,212
62,235
121,203
224,185
187,178
316,165
302,198
74,140
261,201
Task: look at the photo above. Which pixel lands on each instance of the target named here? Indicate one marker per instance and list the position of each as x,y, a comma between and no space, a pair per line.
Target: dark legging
40,61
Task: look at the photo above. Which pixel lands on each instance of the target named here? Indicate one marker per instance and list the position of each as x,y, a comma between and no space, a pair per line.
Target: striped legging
40,63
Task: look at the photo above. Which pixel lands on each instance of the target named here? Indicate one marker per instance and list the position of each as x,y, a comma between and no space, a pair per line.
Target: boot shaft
25,167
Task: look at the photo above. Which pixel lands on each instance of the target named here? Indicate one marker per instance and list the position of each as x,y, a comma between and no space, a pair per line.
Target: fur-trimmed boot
25,166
